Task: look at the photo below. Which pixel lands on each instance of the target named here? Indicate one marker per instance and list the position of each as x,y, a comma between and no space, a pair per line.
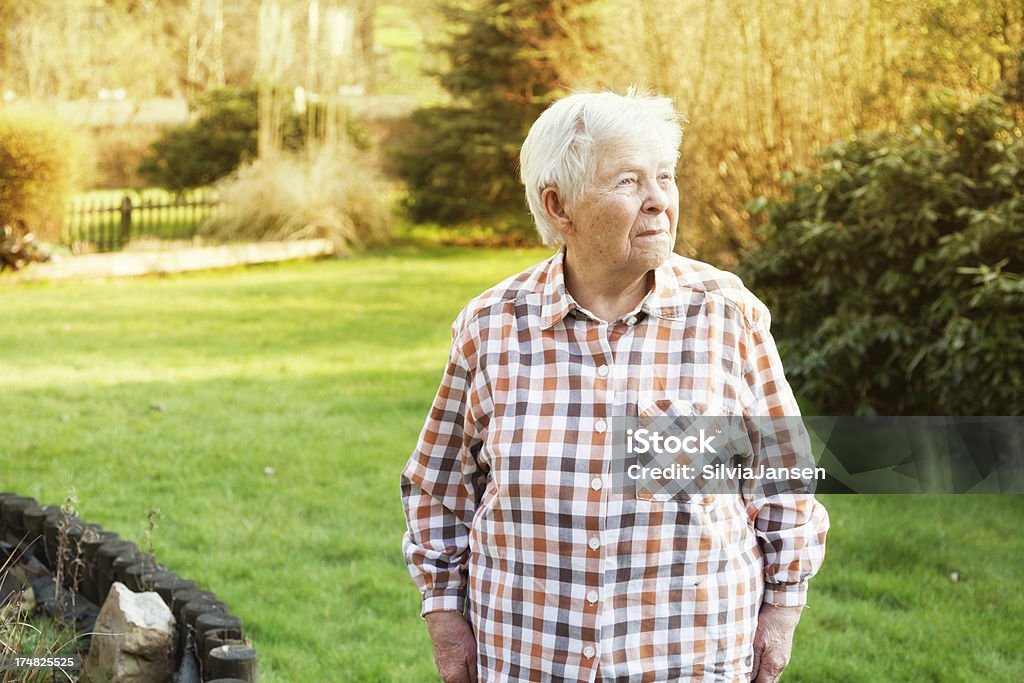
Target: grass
176,393
25,630
37,636
884,607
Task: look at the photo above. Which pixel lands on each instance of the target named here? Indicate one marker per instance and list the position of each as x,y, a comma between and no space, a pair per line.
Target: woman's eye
667,177
627,181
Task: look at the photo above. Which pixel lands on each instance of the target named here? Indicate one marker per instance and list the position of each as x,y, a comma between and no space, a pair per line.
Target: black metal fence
110,223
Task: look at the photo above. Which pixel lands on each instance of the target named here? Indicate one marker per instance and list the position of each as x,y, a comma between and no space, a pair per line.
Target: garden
247,425
290,397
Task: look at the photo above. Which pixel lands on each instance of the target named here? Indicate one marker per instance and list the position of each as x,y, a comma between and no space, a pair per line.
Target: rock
9,588
133,641
45,589
66,607
188,672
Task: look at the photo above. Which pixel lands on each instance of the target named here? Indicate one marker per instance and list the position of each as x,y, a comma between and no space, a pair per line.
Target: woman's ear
556,211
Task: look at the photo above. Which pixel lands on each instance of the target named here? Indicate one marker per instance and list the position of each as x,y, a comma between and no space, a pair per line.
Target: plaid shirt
509,508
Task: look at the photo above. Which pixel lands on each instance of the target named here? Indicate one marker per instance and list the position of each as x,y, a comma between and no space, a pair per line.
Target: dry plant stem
18,636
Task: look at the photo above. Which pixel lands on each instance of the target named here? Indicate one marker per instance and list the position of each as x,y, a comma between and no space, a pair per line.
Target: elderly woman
532,566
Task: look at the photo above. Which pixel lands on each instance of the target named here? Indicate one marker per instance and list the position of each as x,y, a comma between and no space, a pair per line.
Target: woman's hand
773,641
454,646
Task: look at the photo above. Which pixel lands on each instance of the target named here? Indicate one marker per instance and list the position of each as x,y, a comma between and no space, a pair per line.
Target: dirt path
136,263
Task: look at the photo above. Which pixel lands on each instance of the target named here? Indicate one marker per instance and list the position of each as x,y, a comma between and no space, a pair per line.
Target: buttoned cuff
446,600
785,594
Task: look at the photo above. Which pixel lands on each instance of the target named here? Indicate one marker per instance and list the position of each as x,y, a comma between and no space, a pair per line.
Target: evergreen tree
506,66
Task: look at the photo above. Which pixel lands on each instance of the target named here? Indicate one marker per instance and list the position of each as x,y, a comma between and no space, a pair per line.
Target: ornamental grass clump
334,194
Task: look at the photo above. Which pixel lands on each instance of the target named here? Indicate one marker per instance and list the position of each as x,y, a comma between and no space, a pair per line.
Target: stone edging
212,644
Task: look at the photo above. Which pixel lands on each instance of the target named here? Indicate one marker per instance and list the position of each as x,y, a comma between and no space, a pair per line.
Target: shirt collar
664,300
556,303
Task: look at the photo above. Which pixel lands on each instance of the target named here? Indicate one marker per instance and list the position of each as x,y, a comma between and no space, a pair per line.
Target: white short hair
560,148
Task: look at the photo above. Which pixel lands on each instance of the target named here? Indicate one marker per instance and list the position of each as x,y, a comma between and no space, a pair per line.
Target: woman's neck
608,294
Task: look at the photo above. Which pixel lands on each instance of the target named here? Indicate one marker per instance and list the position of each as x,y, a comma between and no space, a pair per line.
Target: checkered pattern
510,517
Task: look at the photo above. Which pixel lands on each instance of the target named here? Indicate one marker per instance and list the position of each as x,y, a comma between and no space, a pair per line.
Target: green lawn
324,371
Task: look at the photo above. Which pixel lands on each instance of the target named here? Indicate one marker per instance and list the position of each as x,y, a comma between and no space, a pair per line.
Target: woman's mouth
651,233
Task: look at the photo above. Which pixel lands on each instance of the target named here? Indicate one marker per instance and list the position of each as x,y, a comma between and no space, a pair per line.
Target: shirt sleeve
441,487
790,527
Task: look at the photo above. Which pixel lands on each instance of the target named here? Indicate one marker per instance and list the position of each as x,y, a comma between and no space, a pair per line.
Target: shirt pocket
693,425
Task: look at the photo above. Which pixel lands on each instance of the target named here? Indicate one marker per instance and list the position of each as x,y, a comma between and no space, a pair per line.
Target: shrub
117,153
224,136
338,195
892,269
208,149
36,173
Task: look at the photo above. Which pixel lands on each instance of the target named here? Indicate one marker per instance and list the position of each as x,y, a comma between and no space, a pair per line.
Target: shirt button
631,320
592,597
594,543
600,426
596,483
588,652
603,371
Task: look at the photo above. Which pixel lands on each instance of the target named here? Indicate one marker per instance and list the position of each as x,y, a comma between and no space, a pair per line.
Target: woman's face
625,222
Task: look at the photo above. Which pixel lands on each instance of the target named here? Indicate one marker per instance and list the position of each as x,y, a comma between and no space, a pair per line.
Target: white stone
133,641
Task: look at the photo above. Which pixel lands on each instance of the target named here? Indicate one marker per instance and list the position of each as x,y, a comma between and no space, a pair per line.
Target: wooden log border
89,559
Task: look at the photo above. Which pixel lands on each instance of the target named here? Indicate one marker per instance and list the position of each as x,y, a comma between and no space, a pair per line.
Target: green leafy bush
36,173
223,137
892,270
208,149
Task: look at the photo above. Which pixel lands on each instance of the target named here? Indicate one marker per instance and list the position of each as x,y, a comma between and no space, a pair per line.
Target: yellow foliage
37,162
766,85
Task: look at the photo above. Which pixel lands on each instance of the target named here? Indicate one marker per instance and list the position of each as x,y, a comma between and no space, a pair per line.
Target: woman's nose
656,201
